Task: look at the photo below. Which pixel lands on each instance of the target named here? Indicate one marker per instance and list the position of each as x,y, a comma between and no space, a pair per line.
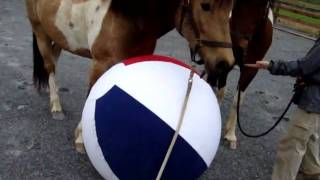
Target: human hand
259,65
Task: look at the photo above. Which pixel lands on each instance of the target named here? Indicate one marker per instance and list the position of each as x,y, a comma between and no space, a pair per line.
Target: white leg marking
230,129
221,94
54,97
79,139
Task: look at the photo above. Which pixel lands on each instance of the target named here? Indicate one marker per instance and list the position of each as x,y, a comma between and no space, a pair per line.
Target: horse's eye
206,6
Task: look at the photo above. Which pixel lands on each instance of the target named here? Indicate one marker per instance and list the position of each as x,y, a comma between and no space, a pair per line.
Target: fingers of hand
263,64
252,65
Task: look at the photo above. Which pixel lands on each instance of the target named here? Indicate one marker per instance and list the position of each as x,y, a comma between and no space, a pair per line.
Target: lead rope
176,134
239,100
270,129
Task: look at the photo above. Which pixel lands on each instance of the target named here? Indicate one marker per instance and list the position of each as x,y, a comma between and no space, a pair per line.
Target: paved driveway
33,146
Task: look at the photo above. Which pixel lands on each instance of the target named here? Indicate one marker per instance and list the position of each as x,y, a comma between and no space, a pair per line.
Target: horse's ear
272,3
234,3
228,3
182,22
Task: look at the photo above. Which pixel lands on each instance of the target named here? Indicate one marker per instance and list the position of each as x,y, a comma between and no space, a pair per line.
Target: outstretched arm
302,67
279,68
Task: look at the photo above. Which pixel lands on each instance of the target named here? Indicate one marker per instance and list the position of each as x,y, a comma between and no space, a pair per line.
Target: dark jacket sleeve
302,67
291,68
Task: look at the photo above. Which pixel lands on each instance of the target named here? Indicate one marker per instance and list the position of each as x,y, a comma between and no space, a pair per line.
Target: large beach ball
131,115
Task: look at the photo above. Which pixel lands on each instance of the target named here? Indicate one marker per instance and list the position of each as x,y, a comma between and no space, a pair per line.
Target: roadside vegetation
313,4
310,20
301,15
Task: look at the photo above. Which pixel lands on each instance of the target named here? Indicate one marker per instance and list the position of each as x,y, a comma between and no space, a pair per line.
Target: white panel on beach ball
132,112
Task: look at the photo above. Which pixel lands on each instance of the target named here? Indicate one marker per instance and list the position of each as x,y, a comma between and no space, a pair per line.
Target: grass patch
303,4
297,27
303,18
311,1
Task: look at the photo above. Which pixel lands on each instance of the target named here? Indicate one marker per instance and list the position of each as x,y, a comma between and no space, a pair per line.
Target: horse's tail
40,74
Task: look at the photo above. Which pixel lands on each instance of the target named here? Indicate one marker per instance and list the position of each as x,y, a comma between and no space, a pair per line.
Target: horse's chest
80,21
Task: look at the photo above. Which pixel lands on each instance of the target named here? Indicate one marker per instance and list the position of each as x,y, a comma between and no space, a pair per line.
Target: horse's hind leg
46,54
56,108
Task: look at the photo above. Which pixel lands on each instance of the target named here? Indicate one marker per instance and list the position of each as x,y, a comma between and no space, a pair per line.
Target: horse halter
187,8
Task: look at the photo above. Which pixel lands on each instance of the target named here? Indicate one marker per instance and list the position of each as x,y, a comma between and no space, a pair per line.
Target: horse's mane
272,3
129,7
135,8
256,3
253,2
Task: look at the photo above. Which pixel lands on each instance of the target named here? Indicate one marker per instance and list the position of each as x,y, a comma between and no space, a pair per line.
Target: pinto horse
251,33
108,31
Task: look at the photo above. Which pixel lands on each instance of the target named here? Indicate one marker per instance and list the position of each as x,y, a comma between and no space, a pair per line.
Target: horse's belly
80,21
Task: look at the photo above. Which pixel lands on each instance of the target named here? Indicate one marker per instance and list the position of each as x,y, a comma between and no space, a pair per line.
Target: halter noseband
187,8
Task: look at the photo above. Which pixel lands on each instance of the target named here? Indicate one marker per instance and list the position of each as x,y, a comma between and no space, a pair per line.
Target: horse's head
205,24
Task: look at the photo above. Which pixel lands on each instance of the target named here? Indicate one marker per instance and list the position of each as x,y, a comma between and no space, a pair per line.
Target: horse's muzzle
219,71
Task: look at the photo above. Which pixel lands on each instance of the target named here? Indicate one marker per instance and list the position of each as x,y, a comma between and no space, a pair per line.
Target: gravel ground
34,146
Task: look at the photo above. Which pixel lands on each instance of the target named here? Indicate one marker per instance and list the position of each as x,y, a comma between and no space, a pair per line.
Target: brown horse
111,30
251,33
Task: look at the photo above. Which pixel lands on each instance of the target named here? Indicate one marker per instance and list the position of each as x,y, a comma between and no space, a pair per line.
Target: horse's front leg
230,129
230,135
219,91
221,94
222,82
246,77
99,67
108,53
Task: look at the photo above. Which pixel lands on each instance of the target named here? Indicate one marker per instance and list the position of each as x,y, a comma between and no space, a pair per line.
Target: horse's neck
256,12
158,15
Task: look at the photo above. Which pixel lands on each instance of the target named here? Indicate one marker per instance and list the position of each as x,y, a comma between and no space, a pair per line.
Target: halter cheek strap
187,8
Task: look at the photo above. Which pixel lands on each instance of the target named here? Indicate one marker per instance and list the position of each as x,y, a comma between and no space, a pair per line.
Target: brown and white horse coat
80,21
252,28
110,30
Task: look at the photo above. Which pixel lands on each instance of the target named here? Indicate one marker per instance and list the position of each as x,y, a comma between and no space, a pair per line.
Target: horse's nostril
212,79
223,67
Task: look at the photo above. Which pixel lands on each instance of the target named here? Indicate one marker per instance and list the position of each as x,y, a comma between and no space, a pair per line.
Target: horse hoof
79,144
58,116
80,148
233,145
